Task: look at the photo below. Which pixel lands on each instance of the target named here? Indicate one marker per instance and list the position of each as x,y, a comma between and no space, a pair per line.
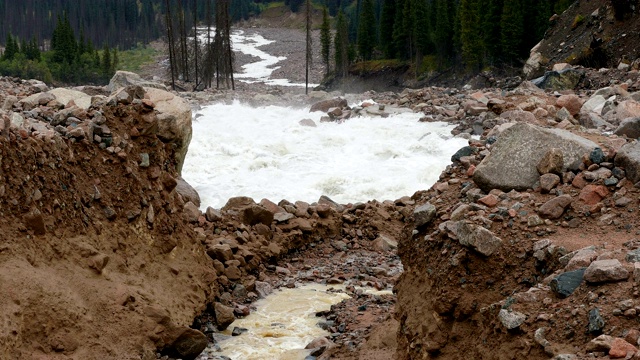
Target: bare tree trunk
309,56
183,41
172,58
195,39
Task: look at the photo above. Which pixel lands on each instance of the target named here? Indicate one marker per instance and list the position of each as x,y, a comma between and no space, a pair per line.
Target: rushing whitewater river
239,150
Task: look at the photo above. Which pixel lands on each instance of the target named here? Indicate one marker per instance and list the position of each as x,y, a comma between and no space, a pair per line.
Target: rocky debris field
527,247
596,34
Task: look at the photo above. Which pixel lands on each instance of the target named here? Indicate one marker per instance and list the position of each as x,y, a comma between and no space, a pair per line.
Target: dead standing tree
216,60
309,55
222,46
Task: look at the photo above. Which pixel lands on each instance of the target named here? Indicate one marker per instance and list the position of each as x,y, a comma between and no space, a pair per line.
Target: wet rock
566,283
189,344
596,322
424,214
325,105
601,271
628,157
513,161
477,238
224,316
554,208
263,289
511,319
237,331
462,152
307,122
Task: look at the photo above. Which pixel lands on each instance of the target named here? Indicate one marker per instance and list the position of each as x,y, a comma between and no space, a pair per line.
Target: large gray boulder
628,157
125,78
566,79
174,121
513,159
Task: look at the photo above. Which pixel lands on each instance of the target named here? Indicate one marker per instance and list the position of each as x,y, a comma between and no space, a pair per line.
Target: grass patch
577,21
134,59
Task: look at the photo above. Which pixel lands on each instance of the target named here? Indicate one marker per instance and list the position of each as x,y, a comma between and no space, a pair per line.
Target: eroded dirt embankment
96,260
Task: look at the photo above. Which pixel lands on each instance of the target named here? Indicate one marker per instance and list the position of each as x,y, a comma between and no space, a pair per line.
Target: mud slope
96,260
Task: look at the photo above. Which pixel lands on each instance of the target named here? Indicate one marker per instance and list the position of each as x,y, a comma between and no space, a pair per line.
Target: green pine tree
387,23
367,30
470,34
106,61
11,48
341,43
512,30
325,39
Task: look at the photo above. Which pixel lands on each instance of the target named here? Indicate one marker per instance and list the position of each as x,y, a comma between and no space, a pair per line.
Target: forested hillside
468,35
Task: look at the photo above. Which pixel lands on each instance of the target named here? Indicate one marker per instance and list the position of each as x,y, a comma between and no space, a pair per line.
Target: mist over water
239,150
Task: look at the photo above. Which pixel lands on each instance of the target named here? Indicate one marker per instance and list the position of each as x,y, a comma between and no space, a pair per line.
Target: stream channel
239,150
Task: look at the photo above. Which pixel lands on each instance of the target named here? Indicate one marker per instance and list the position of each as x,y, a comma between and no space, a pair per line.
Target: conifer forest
79,41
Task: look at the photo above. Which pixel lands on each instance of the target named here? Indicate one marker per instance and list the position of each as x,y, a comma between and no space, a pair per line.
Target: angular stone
511,319
571,102
601,343
601,271
477,238
189,344
628,157
554,208
224,316
213,215
581,258
593,194
237,203
629,127
513,161
462,152
187,192
566,79
423,214
597,156
633,256
551,162
594,104
220,252
385,243
489,200
191,212
620,349
596,322
283,217
256,214
548,182
566,283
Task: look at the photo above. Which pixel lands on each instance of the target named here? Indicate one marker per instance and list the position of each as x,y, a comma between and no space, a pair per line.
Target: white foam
263,152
